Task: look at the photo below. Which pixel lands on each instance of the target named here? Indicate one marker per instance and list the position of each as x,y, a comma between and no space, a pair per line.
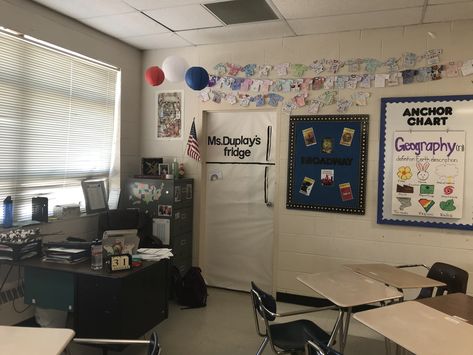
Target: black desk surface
82,268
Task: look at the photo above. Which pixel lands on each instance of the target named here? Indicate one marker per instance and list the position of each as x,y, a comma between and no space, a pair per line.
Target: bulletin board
422,162
327,163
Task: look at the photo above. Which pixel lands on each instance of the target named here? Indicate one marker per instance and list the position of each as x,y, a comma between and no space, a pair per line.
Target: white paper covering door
239,196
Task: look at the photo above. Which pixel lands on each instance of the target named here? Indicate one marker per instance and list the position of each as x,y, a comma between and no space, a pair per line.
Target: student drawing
447,173
423,174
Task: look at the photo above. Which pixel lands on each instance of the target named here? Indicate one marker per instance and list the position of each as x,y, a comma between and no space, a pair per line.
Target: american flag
193,144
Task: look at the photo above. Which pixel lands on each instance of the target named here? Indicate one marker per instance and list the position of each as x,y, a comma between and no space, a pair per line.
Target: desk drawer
181,244
49,289
181,220
122,307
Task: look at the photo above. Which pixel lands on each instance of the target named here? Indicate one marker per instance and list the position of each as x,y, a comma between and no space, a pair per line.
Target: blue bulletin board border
382,152
343,188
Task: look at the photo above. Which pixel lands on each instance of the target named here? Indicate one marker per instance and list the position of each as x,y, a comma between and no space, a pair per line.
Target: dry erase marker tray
19,244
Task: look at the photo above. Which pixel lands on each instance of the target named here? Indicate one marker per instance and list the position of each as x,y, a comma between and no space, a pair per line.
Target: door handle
266,200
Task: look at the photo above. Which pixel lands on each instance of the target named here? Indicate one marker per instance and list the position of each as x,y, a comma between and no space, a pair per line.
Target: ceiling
158,24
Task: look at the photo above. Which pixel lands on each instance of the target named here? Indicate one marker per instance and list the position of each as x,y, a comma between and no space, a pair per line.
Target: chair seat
295,334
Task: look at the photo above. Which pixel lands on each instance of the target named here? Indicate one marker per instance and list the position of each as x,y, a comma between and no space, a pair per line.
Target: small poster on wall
169,106
428,171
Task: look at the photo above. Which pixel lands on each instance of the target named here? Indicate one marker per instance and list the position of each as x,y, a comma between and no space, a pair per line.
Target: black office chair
284,338
129,219
315,348
456,279
153,343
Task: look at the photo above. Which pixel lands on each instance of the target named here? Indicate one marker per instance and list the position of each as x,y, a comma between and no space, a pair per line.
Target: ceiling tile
235,33
185,17
296,9
449,12
81,9
158,41
154,4
356,21
126,25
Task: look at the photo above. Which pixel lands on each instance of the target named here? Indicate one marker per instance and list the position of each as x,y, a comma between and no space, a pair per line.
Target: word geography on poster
428,173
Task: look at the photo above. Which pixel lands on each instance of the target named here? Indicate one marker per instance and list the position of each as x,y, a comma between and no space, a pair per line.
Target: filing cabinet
169,202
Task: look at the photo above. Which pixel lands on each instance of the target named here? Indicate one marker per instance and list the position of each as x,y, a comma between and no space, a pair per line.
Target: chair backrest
263,305
455,278
128,219
263,302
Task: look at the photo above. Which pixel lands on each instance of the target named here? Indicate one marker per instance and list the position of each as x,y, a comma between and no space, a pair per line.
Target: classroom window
58,123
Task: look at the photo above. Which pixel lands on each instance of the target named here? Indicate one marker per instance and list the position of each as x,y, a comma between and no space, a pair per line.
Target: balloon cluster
175,69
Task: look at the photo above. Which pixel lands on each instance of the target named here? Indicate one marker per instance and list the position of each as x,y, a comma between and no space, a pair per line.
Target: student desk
38,341
120,305
457,305
393,276
420,329
347,289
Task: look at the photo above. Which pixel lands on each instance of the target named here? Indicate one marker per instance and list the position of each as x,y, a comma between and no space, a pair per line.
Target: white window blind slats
57,120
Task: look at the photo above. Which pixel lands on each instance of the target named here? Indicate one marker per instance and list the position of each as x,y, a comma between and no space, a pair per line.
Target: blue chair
153,343
456,279
284,338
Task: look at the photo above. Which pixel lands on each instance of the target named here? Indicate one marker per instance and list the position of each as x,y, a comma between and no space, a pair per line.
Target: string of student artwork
259,87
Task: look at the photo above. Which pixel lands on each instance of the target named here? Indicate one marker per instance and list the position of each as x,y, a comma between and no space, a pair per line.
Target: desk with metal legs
420,329
456,305
38,341
347,289
393,276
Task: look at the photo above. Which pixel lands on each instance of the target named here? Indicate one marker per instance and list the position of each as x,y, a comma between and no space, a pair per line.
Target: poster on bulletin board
327,163
422,170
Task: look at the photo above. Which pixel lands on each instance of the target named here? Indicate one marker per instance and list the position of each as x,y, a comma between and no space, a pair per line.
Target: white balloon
174,68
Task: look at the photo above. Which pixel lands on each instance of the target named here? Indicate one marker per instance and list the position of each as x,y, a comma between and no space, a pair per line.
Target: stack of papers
154,253
66,252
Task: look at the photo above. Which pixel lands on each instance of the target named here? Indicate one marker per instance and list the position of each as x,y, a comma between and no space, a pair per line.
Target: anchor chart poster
423,170
428,170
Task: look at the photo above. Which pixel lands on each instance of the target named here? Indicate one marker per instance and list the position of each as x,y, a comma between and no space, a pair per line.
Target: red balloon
154,76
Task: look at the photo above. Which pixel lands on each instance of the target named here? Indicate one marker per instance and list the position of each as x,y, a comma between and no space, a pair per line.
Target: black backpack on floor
191,290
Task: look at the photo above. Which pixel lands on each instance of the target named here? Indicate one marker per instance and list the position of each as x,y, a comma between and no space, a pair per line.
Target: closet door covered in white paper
239,195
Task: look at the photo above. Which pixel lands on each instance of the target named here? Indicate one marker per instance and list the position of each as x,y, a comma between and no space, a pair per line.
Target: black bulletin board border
330,200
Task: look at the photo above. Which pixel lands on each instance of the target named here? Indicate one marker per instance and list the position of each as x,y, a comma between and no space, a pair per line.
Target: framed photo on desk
95,196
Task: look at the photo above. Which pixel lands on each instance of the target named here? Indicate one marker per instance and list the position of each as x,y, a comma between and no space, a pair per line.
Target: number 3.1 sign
120,262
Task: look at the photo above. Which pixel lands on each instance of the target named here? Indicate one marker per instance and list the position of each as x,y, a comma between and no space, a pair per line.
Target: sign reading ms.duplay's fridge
423,150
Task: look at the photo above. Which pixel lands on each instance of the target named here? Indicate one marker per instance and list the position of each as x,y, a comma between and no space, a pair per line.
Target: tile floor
226,326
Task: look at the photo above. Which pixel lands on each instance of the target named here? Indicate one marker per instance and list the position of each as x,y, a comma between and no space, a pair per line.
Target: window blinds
58,117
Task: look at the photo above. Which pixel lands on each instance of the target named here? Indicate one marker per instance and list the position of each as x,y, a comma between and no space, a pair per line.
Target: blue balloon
197,78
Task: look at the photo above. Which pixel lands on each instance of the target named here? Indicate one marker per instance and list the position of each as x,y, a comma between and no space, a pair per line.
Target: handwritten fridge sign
428,170
422,170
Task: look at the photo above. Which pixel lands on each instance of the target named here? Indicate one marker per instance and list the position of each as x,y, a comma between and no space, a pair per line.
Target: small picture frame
164,210
163,170
150,166
95,196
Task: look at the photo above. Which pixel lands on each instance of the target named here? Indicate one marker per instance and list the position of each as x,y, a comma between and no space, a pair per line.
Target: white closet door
239,214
